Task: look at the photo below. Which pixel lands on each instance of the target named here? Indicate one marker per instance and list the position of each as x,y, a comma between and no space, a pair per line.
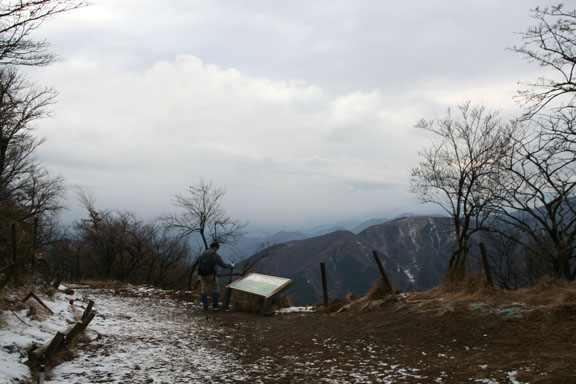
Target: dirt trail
148,340
419,338
140,337
145,338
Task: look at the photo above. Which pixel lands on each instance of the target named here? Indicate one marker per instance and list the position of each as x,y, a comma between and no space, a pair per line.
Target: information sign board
262,285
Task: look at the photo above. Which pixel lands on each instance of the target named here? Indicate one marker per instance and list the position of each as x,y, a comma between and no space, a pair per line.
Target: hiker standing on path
207,266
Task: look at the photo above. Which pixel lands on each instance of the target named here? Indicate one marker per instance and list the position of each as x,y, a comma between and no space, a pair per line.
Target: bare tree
18,19
460,170
551,44
203,214
28,192
99,233
20,105
41,195
124,248
538,208
539,199
249,264
168,253
23,182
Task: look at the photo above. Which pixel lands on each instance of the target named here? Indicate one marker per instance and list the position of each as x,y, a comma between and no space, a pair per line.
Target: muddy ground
145,335
492,337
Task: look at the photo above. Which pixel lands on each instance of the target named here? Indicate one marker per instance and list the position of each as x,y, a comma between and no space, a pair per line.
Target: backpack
206,264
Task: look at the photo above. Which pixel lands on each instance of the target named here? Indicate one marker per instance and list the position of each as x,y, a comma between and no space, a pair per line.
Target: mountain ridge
414,251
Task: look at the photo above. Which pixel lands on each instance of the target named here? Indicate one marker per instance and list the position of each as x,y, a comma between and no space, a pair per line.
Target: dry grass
469,283
551,297
379,290
349,301
549,291
101,284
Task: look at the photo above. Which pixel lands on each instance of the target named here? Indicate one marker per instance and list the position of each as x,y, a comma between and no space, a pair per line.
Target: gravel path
149,340
145,336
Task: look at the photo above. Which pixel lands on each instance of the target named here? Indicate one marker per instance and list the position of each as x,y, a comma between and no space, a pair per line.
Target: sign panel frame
261,285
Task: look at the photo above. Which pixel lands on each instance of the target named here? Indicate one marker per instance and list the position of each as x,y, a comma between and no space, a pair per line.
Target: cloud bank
304,112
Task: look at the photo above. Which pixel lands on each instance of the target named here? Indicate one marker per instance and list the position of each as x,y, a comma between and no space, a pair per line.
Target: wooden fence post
324,285
54,345
227,293
57,281
74,330
88,309
32,294
88,319
387,283
45,352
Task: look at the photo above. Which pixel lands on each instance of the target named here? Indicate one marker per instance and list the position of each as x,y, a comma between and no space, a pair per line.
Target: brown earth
489,337
480,336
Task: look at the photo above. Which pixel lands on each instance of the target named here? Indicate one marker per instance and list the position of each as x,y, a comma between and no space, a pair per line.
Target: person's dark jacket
208,262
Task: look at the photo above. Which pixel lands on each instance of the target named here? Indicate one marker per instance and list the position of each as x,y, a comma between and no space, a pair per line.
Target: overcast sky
304,111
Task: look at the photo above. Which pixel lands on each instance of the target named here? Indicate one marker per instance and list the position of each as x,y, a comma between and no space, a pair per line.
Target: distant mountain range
414,250
257,240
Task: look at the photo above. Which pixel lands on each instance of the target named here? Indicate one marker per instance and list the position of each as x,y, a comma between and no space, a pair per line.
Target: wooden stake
324,285
226,299
46,351
74,330
385,279
32,294
49,349
57,281
54,345
88,319
87,310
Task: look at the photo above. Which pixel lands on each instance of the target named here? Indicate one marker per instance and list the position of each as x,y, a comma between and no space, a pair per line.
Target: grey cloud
299,108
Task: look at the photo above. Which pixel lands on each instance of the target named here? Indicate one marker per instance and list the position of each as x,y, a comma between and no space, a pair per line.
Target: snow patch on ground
295,309
147,337
23,330
149,340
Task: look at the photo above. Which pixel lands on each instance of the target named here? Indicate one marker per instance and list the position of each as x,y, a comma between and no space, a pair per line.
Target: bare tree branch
460,170
539,187
203,214
18,19
551,44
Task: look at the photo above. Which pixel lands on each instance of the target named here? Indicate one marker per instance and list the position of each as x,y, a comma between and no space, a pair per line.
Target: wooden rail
33,295
44,353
